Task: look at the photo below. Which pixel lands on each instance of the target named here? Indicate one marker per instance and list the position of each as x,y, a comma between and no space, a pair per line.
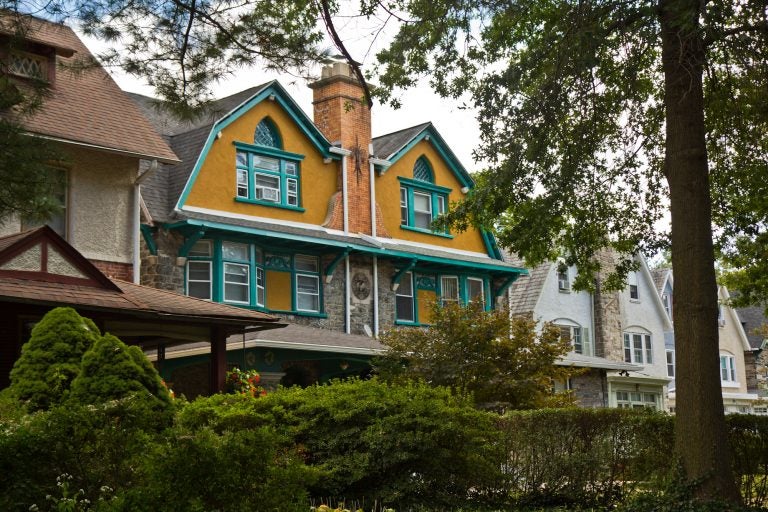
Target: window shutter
586,342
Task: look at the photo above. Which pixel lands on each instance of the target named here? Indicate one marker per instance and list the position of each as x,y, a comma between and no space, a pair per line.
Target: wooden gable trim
47,237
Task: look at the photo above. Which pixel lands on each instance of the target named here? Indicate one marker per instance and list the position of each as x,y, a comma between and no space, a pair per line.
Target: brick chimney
341,114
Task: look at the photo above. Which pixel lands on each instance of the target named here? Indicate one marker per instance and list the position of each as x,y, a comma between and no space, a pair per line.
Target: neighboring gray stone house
618,337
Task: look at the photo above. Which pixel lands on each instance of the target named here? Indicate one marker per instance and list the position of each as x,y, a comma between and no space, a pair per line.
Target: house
755,326
103,138
39,271
738,378
617,336
87,257
313,220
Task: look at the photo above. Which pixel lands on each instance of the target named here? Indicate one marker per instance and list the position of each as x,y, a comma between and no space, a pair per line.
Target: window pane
449,288
199,279
307,284
422,202
291,169
637,341
307,293
242,159
305,263
404,302
242,183
266,163
403,206
259,286
577,346
293,192
201,249
233,251
648,349
475,290
236,283
440,205
627,349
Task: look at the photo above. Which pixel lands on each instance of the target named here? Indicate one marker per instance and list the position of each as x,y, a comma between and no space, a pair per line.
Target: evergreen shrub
50,360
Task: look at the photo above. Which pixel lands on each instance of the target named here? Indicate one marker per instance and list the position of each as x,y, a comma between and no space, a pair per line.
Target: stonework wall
750,373
161,271
608,315
590,389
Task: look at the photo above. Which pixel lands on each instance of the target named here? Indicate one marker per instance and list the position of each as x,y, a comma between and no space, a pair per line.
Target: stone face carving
361,285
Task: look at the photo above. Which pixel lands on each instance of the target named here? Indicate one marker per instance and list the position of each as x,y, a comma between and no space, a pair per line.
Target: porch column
218,358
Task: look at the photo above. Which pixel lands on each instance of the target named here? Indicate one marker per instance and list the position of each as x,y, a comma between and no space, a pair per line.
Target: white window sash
237,284
209,280
406,294
304,293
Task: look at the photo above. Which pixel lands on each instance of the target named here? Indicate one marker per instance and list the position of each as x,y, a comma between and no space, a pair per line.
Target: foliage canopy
502,364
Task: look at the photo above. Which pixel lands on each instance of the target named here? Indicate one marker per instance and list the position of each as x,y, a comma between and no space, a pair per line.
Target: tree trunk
700,431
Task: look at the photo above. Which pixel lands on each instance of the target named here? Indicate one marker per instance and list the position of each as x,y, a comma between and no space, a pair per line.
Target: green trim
269,203
284,100
424,185
400,273
443,149
191,241
426,231
146,233
490,244
411,324
506,284
333,264
266,150
299,313
386,253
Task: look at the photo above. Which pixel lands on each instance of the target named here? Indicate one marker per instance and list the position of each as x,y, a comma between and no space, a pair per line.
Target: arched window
267,135
422,171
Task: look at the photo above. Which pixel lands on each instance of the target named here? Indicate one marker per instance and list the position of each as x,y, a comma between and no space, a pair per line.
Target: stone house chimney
342,115
607,313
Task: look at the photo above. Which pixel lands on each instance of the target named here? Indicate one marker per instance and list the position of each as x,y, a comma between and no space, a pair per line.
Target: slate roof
187,138
88,107
525,291
387,145
753,318
659,278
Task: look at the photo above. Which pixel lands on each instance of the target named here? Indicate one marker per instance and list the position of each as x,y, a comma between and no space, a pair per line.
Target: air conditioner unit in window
268,193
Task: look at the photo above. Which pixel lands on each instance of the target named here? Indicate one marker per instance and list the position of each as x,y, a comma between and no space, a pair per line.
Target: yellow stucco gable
215,185
388,194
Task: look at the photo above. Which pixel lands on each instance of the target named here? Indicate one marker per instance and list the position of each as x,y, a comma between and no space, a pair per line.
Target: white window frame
242,185
246,284
261,296
316,294
482,289
670,353
209,280
443,300
259,189
728,375
14,68
563,280
412,297
208,253
427,212
637,400
634,289
666,300
403,206
641,353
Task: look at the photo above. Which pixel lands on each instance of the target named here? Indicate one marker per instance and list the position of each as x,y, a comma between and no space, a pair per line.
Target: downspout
137,219
384,163
375,297
344,201
347,294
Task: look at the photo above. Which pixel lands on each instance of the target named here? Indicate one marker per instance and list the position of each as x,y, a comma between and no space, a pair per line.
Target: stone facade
590,389
164,270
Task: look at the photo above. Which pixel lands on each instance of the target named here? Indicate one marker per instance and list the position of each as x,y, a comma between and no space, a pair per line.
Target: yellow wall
425,300
214,187
279,290
388,199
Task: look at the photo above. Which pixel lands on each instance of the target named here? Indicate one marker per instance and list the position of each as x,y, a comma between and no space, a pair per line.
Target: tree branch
340,45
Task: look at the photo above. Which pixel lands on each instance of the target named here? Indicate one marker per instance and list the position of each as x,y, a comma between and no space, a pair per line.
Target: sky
458,126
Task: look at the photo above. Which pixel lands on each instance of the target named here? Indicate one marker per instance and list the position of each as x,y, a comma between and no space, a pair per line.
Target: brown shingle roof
88,107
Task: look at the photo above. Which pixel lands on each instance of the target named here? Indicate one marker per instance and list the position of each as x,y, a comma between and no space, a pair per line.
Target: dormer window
421,201
28,65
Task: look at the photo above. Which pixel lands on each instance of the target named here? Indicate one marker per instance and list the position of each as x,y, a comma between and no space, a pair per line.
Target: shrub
748,435
583,457
50,360
111,370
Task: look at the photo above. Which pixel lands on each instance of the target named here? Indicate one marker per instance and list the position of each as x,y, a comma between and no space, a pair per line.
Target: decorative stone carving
361,286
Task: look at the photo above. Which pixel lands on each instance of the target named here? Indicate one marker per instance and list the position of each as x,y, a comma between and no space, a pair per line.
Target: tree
29,187
586,109
50,360
112,370
502,364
